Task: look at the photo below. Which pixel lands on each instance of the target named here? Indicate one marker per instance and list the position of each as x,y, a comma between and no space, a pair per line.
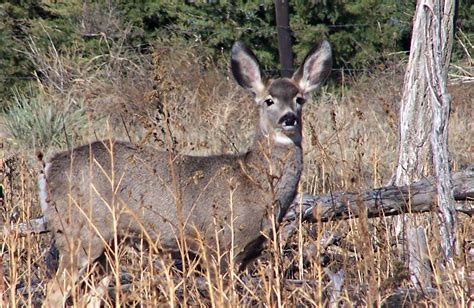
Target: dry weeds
178,99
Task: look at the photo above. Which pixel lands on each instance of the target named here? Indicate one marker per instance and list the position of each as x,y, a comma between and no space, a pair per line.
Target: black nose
289,119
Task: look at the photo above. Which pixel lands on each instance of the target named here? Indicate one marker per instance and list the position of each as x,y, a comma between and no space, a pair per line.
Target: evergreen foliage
363,33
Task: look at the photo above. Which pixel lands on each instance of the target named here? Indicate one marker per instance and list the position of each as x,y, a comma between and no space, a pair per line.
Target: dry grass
177,99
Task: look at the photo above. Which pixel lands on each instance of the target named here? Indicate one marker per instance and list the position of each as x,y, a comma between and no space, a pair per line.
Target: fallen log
384,201
21,229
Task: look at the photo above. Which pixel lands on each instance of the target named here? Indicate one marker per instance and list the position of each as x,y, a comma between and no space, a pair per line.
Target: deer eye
300,100
269,102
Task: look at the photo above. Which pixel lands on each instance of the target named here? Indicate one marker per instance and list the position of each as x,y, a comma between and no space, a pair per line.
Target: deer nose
289,121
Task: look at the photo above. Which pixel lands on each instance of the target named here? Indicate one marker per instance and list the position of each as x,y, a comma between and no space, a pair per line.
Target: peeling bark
440,32
414,153
424,115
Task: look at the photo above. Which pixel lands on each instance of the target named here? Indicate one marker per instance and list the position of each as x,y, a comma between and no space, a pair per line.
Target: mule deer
98,191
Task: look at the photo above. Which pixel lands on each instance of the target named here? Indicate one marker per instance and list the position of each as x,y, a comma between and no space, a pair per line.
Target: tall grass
350,144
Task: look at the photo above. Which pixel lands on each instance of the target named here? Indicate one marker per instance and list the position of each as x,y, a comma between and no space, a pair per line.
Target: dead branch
33,226
419,197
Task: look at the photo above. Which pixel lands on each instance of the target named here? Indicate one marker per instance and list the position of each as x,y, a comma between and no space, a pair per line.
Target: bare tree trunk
414,153
424,114
441,17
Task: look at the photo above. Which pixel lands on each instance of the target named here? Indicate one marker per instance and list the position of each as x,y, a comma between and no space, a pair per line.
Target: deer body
147,187
107,188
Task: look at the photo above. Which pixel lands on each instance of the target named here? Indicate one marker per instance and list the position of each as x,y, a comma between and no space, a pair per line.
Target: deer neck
278,165
275,146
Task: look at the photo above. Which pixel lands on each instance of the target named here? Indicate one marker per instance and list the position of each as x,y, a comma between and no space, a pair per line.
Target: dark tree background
363,33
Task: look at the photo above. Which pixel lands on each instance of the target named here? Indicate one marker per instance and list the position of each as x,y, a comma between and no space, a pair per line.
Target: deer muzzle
289,121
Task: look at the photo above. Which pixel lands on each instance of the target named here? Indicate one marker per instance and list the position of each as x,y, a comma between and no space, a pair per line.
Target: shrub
36,121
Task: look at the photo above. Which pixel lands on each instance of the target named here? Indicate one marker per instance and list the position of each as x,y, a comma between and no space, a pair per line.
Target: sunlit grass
350,145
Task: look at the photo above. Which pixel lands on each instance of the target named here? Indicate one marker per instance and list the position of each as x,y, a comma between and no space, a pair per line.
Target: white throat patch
282,139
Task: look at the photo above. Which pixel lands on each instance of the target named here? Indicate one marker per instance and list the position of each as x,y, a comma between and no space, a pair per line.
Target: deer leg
95,297
59,287
74,260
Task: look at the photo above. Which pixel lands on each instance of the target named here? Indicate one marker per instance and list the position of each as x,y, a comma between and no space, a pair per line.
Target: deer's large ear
316,67
246,69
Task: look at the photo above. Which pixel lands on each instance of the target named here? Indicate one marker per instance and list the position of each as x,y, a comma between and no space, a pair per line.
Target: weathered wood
440,37
418,252
424,115
414,151
419,197
33,226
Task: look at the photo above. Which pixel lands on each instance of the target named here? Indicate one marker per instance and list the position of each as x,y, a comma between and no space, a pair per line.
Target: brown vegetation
350,145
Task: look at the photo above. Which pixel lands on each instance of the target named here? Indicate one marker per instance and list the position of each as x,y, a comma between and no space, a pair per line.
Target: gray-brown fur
156,193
